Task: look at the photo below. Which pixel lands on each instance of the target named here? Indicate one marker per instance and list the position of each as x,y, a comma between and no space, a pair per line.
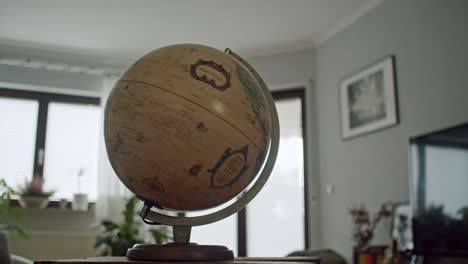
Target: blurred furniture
380,255
4,249
20,260
5,257
370,255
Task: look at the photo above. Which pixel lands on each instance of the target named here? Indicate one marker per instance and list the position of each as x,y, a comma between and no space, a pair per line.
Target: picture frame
368,99
401,227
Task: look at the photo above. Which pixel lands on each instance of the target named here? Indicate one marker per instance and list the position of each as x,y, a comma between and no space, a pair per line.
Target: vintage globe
187,127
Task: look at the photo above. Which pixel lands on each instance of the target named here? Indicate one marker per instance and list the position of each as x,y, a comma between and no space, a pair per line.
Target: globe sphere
187,127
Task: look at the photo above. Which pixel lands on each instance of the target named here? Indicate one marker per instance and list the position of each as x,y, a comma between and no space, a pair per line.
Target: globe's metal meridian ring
246,197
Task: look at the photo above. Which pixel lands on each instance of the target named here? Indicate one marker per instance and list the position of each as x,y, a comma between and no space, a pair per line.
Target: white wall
286,70
429,40
69,82
85,84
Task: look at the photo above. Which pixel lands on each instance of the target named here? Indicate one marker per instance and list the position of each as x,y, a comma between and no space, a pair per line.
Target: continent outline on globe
233,170
204,78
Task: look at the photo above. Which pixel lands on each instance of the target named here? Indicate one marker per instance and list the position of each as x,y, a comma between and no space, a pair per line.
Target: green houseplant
115,238
8,214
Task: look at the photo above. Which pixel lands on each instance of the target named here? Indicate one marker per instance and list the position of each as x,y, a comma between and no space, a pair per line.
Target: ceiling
130,28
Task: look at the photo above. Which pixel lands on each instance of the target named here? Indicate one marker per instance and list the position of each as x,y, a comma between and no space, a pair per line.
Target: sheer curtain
111,192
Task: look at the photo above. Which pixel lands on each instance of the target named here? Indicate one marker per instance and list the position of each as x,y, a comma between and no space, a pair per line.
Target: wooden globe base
179,252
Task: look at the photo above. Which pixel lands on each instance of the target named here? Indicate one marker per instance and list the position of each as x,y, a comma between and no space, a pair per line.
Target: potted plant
9,217
464,214
116,238
364,225
32,194
80,200
8,214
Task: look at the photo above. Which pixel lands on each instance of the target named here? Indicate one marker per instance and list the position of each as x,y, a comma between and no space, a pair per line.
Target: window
280,207
53,136
72,149
223,232
17,139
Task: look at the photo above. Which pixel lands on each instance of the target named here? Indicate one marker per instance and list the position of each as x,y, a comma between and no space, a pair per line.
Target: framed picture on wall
368,99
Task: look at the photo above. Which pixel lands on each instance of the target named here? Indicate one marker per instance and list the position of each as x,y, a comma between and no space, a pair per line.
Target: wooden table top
124,260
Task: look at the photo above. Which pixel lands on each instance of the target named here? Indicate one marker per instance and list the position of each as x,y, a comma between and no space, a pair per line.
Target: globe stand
182,249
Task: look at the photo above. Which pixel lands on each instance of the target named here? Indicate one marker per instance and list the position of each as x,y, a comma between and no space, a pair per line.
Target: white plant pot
80,202
33,202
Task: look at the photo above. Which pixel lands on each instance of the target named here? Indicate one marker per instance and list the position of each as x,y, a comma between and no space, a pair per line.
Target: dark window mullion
242,233
306,170
44,99
39,154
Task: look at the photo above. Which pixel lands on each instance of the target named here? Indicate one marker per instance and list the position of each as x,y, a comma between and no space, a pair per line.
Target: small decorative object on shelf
392,256
63,203
364,225
32,194
380,255
80,200
369,255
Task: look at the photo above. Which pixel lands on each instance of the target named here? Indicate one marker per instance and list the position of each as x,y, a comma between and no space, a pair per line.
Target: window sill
54,204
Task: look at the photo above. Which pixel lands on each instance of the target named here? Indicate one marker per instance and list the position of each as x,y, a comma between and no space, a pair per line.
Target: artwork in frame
368,99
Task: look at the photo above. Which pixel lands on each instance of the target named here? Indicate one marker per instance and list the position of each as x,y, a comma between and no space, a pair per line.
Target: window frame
300,94
43,99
